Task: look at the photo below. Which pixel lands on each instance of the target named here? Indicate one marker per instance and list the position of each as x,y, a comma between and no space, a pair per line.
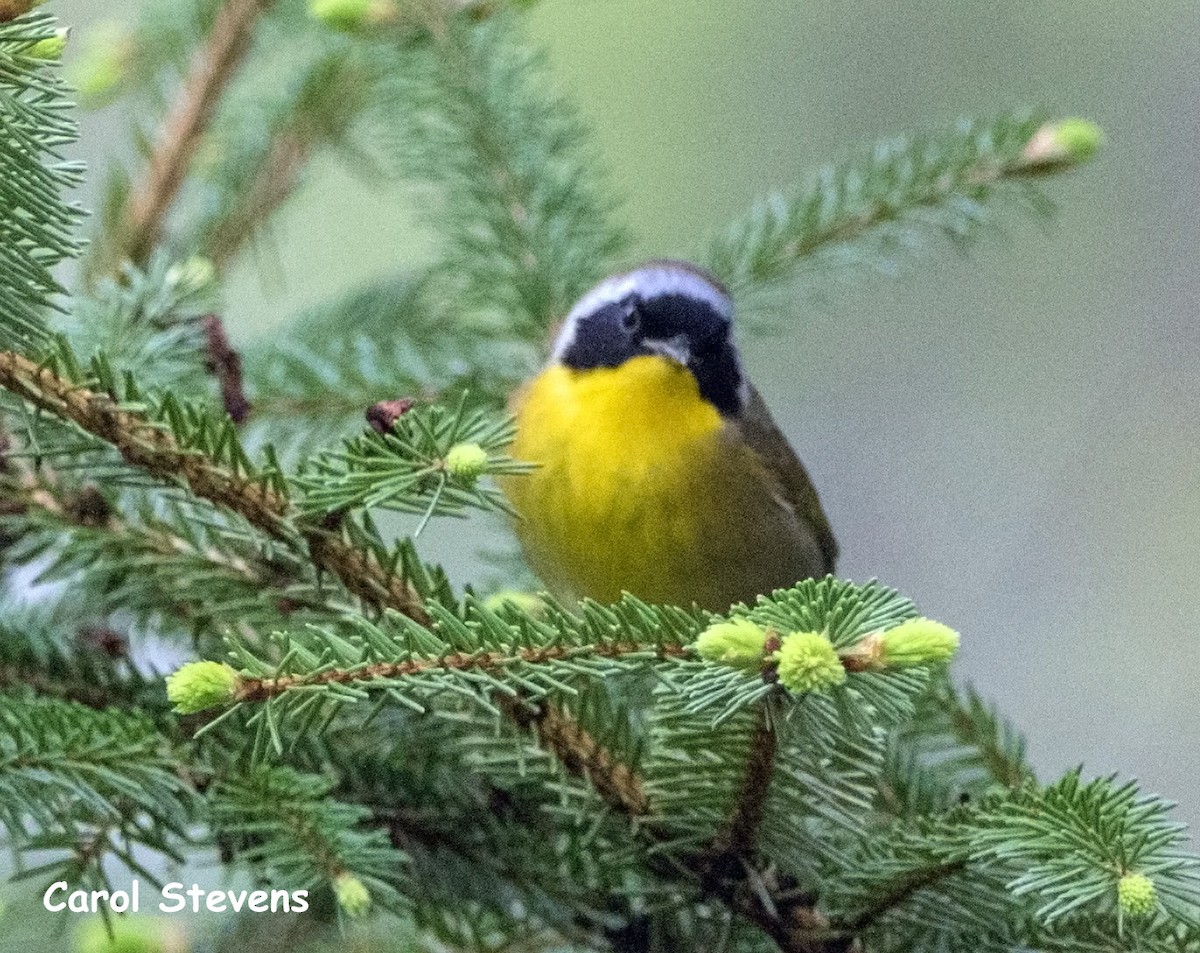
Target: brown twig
272,185
902,890
225,363
581,755
184,125
740,836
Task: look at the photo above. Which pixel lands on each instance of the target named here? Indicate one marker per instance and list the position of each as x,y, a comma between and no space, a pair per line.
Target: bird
659,470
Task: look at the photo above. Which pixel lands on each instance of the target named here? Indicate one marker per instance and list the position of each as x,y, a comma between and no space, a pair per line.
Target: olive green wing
759,432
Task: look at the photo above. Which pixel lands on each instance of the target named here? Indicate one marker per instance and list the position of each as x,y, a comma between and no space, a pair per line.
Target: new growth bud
200,685
809,663
1067,141
51,48
192,274
467,461
917,642
1136,895
738,643
352,894
101,67
349,16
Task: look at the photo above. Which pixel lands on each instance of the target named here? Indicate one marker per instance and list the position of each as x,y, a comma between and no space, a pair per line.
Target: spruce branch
902,890
139,225
142,442
581,755
281,821
266,146
272,184
67,768
258,499
36,224
71,682
263,689
151,565
866,211
738,839
1001,748
526,226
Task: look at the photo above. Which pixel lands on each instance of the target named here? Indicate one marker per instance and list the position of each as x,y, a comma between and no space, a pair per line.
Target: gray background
1011,438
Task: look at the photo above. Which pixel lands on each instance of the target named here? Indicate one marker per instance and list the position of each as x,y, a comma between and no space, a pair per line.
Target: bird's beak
675,348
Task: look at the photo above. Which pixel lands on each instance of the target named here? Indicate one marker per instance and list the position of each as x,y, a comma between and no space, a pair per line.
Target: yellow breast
633,485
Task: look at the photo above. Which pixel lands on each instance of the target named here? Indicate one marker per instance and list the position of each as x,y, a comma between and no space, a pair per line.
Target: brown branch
86,508
273,184
146,444
184,125
581,755
11,9
902,890
739,838
262,689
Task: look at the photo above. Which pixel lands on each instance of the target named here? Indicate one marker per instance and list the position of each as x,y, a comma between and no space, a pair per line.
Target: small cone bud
738,643
467,461
917,642
200,685
808,663
352,895
1136,895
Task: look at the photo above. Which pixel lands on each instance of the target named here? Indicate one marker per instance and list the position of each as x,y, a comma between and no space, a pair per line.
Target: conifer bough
799,776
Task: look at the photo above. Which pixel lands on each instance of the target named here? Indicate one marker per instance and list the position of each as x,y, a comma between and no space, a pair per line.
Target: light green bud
101,67
808,663
200,685
1063,142
917,642
192,274
738,643
130,934
50,48
352,895
1077,138
1136,895
467,461
349,16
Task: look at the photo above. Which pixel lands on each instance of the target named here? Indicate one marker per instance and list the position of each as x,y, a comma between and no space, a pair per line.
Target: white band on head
656,280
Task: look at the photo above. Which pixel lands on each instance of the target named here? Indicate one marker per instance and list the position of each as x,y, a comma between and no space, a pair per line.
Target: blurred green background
1011,438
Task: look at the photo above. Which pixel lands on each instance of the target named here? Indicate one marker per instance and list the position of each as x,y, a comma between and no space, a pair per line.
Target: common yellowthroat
661,471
